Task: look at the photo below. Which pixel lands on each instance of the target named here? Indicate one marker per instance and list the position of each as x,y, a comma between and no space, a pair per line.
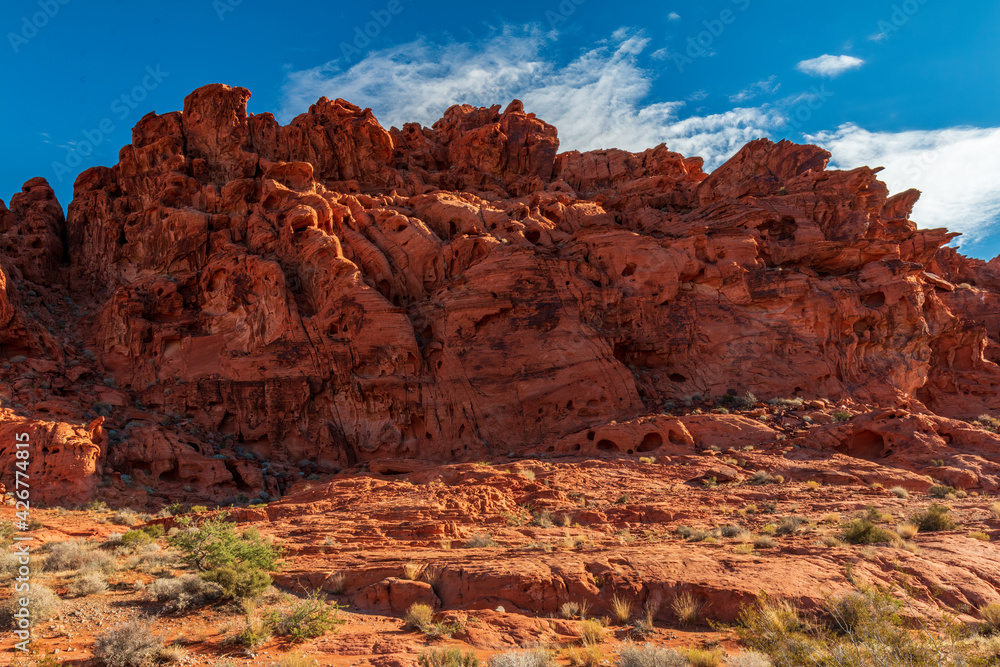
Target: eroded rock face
250,301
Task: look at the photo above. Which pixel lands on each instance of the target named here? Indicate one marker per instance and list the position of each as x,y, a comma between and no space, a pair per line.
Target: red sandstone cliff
245,302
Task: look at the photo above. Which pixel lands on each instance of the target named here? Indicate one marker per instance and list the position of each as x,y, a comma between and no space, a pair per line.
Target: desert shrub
687,608
134,539
907,530
621,609
763,541
990,615
585,656
941,490
899,492
648,655
865,531
125,517
412,571
995,510
591,631
841,415
133,644
865,629
790,525
786,402
448,657
311,617
813,485
480,541
185,592
934,518
151,559
172,655
255,631
43,604
979,535
761,477
532,658
239,581
750,659
732,531
216,543
569,609
78,555
419,616
86,583
698,657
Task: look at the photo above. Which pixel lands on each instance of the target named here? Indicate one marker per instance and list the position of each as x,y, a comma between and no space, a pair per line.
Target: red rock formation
252,301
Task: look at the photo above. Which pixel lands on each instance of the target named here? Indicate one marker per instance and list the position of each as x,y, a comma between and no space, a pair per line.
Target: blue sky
912,85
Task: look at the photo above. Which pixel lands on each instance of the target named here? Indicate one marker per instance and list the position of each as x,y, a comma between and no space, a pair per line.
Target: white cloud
764,87
601,100
674,16
596,101
830,66
955,168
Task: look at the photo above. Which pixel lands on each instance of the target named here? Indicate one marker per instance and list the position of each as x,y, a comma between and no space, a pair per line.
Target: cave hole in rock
677,377
866,445
873,300
675,438
780,230
606,445
172,475
650,442
629,269
241,484
590,435
533,236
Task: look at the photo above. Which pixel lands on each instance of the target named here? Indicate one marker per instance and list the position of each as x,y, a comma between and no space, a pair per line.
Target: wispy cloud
829,66
764,87
597,101
674,16
602,100
955,168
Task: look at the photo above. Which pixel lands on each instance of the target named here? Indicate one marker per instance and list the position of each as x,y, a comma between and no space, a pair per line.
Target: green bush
934,518
312,617
133,539
864,531
239,581
863,629
941,490
215,543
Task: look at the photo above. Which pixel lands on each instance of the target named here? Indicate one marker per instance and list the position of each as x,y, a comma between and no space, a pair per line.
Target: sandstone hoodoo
237,304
